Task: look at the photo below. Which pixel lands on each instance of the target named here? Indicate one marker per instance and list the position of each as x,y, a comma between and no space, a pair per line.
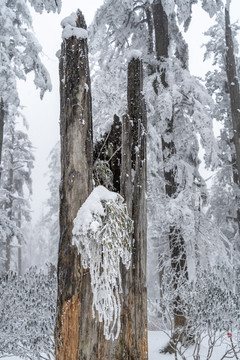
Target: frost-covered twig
102,233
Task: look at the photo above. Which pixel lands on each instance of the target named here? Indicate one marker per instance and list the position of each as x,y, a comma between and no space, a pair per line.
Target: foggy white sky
43,116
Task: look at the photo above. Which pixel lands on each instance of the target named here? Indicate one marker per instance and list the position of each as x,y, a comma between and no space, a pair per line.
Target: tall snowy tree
16,178
19,55
233,85
222,48
19,51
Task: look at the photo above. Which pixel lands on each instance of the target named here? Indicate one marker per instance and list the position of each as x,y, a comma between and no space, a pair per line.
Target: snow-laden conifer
16,186
19,55
225,192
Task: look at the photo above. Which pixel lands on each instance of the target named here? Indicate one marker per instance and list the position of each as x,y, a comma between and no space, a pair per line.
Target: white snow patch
69,20
58,54
134,54
92,206
70,31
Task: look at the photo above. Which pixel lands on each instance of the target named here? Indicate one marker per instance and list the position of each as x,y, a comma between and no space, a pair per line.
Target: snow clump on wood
134,54
70,29
102,233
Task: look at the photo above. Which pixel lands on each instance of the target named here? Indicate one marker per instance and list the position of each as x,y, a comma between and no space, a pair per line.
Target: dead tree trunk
133,337
176,241
75,332
77,335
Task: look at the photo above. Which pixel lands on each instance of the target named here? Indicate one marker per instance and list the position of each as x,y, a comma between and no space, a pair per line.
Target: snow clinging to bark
102,233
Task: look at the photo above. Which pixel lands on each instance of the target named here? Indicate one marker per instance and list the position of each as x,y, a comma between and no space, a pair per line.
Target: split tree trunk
176,241
133,334
77,335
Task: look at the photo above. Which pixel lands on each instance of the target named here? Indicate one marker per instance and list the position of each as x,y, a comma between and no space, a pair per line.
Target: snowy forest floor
158,339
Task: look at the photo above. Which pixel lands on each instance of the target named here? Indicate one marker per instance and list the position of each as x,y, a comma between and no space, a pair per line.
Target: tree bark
19,250
233,85
133,335
77,335
160,21
76,330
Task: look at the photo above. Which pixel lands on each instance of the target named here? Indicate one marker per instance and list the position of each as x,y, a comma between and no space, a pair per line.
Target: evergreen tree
19,55
224,201
179,110
16,178
19,52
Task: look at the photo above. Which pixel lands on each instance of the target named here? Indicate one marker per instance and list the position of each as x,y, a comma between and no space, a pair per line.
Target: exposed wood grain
76,185
133,337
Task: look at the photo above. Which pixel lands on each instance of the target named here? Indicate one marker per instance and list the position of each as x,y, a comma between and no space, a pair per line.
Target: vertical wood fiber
133,335
75,332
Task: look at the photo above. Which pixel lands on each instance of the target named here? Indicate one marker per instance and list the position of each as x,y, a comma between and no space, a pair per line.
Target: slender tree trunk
176,241
1,133
19,250
160,21
233,85
133,335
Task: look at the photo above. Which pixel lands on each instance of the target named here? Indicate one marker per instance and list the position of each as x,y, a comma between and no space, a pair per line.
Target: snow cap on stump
74,25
